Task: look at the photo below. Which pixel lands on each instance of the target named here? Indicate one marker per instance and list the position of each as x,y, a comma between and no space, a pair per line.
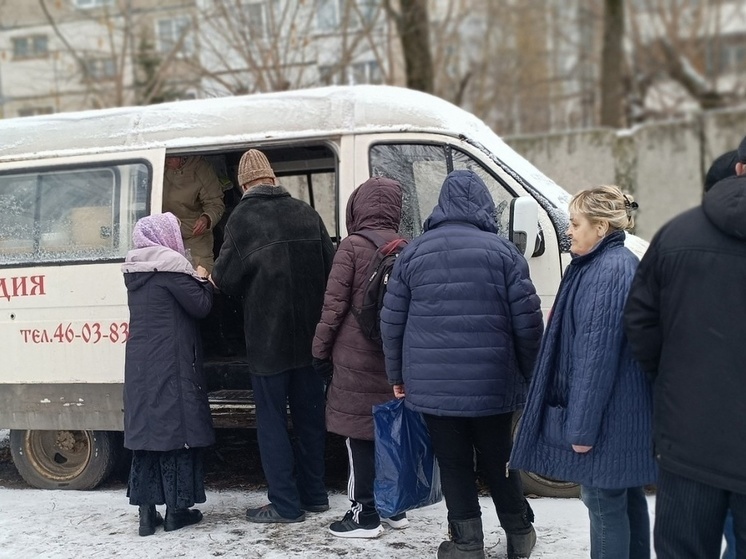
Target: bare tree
680,56
286,45
612,64
114,57
413,25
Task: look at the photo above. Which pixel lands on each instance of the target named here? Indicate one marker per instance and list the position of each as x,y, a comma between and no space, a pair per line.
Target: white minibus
73,185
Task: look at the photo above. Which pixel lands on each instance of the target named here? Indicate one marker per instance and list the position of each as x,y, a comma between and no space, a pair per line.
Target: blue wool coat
587,389
461,322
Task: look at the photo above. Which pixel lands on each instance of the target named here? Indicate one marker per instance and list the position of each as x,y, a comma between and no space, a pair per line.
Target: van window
72,213
421,170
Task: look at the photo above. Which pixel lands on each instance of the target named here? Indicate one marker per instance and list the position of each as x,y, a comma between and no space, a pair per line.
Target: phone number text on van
89,333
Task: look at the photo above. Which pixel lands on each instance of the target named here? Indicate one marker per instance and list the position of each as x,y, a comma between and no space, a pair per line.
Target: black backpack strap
372,236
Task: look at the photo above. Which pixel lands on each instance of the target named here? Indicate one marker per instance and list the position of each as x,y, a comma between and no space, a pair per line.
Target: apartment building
63,55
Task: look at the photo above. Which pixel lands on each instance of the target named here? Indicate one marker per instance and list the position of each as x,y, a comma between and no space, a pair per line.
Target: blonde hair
606,203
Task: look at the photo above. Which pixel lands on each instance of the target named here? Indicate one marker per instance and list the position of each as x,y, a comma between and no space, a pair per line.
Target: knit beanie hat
254,165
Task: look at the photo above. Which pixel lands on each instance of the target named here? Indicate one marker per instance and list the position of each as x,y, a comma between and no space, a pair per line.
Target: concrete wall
661,164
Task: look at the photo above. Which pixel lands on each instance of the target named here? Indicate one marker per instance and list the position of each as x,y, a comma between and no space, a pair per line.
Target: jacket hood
375,204
148,260
725,206
464,198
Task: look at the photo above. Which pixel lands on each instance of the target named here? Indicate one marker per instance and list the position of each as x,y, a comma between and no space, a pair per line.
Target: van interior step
232,408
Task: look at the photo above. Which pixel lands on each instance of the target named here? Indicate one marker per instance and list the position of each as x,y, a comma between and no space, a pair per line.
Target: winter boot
521,536
149,519
178,518
467,540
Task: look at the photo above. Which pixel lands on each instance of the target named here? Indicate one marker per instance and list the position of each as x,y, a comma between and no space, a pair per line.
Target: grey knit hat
254,165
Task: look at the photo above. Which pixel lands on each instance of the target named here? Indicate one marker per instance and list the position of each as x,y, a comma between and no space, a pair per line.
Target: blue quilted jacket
587,389
461,323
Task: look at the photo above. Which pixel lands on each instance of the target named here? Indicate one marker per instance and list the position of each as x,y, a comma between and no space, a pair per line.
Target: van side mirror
524,224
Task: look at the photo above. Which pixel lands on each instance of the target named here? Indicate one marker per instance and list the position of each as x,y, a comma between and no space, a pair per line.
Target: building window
96,69
358,73
34,46
174,35
330,14
85,4
256,19
366,72
33,111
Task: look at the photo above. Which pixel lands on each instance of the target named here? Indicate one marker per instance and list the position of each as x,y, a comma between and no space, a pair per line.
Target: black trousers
690,516
362,474
460,444
294,468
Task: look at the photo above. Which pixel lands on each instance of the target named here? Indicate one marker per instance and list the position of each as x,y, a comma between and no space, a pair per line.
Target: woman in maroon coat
359,379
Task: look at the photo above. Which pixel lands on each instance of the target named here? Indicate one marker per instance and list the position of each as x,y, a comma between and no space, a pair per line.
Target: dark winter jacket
685,322
359,380
276,256
587,389
461,322
165,397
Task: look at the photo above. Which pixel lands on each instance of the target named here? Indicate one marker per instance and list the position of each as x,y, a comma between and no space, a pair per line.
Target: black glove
324,368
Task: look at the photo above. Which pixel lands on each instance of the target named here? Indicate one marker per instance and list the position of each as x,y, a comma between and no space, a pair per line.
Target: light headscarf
159,230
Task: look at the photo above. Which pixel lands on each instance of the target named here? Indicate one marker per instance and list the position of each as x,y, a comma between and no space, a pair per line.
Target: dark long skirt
174,478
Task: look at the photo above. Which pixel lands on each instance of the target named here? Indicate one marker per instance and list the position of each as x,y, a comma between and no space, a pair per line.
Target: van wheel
64,459
544,486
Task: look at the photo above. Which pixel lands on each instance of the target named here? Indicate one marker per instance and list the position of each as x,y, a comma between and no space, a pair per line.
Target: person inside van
167,420
276,257
359,381
193,192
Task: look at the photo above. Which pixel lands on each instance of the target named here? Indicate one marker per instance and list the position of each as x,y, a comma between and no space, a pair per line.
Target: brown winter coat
188,193
359,379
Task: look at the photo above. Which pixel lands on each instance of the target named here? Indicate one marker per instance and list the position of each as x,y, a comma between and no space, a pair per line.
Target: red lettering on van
22,286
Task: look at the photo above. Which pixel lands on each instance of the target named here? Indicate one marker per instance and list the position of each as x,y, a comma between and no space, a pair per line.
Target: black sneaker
349,528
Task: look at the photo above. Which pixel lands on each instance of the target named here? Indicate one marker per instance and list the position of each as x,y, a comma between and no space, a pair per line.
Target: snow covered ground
100,524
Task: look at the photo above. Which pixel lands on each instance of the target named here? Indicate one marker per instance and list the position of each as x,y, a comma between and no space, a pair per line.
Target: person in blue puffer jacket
588,418
461,326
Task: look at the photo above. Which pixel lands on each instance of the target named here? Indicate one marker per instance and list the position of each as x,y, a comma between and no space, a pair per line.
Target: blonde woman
588,414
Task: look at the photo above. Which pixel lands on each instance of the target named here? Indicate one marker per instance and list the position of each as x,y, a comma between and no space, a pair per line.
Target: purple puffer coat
359,379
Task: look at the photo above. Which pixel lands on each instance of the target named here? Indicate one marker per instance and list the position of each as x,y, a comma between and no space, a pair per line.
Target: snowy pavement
63,524
100,523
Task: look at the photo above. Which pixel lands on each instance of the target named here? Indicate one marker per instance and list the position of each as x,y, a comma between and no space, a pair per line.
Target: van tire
64,459
534,484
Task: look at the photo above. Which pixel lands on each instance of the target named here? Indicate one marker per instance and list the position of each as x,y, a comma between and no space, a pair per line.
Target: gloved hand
324,368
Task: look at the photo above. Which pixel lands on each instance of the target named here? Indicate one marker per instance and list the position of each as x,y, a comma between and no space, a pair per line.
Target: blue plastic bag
407,474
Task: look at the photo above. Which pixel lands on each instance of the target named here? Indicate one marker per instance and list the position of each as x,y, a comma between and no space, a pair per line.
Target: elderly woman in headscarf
167,421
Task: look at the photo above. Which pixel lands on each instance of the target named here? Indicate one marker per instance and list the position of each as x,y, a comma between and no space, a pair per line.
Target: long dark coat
165,397
587,389
461,322
359,379
685,322
276,256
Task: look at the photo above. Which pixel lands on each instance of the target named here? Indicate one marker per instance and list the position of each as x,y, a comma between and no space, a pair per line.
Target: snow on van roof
249,118
257,119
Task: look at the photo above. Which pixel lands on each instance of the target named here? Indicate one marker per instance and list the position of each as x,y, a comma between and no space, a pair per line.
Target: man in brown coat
359,379
192,192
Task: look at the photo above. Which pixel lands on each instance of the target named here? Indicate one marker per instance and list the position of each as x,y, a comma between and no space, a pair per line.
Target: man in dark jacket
461,327
276,256
684,319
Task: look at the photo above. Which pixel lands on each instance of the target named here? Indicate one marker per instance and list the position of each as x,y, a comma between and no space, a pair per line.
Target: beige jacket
188,193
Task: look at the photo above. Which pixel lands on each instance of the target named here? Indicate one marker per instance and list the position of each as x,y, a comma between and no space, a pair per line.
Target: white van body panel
51,358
